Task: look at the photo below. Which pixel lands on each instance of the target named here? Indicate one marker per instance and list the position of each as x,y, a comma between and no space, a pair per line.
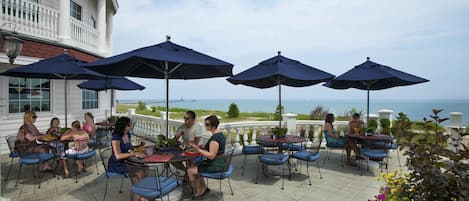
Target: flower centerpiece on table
166,144
279,132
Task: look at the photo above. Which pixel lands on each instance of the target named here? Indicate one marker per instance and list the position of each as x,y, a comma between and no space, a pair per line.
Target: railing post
290,121
253,138
237,145
454,141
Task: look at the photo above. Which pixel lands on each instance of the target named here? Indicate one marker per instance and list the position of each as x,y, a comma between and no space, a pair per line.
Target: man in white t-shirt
190,131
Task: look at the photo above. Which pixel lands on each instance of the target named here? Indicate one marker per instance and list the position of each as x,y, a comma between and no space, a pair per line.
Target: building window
75,10
25,94
89,99
93,22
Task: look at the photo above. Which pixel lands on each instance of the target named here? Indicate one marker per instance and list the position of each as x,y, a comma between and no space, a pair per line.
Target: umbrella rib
175,68
151,65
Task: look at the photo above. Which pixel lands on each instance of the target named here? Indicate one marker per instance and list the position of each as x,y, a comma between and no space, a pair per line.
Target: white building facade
47,28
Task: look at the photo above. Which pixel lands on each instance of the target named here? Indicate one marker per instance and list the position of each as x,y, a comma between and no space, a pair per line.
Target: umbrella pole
65,98
112,94
280,105
166,77
367,106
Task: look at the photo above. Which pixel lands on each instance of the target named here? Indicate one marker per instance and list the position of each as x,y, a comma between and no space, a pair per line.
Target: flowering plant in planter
166,144
279,132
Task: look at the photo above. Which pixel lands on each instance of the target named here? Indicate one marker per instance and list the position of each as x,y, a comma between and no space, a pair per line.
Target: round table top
374,137
165,157
287,138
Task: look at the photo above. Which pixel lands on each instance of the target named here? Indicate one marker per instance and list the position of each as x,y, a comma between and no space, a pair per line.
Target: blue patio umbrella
112,83
278,71
165,60
371,76
63,67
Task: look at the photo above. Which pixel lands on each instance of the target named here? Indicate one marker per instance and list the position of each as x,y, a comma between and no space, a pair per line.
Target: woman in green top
334,140
214,153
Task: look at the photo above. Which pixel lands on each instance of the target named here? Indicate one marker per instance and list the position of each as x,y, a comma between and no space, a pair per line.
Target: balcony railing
83,34
29,18
150,127
40,21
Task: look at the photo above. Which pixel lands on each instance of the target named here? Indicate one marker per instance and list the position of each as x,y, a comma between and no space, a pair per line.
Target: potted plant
166,144
279,132
385,126
372,126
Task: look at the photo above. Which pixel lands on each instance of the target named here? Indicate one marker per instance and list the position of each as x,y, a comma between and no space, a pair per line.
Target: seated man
355,125
190,132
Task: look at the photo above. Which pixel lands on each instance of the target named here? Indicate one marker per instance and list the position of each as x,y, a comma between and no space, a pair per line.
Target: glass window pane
36,106
45,106
13,107
25,94
24,106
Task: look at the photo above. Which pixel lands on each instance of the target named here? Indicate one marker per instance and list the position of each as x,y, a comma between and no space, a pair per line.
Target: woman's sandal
201,195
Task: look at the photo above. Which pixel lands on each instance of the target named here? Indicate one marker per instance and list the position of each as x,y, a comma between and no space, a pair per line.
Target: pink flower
381,196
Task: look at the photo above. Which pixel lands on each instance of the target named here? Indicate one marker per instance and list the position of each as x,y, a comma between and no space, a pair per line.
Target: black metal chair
105,154
310,154
249,150
226,174
35,159
83,156
11,140
152,186
330,146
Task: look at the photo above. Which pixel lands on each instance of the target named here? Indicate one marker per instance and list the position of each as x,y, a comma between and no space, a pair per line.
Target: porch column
455,139
101,24
110,25
64,20
290,121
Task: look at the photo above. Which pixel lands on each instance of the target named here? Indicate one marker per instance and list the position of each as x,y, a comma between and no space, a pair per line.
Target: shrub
278,112
318,113
435,172
141,105
401,127
372,125
233,111
385,125
153,109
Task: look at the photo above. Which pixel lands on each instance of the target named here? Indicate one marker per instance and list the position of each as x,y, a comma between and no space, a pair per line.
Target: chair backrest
316,144
105,155
228,157
135,171
11,140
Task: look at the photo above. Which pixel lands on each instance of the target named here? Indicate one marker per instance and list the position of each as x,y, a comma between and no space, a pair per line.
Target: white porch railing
83,34
237,134
29,18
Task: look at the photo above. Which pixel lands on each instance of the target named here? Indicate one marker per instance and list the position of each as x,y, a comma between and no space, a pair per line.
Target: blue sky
426,38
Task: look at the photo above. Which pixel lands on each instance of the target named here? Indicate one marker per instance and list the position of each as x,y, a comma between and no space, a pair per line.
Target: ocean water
415,109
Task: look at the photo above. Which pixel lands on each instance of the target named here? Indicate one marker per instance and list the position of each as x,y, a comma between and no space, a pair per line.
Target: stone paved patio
338,183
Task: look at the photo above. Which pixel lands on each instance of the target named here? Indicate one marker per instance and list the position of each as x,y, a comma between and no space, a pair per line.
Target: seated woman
80,139
334,140
89,126
27,136
121,146
55,131
214,154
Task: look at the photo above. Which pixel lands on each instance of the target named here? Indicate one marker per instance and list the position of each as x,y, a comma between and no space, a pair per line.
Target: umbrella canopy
280,70
64,67
165,60
111,82
373,76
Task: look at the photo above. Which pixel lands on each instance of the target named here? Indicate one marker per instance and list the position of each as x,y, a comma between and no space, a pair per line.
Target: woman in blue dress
121,146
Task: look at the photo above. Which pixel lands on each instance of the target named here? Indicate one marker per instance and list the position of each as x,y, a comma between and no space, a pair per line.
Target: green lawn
178,113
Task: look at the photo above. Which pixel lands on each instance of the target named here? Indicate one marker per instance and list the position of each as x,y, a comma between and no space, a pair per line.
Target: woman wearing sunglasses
27,137
214,152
